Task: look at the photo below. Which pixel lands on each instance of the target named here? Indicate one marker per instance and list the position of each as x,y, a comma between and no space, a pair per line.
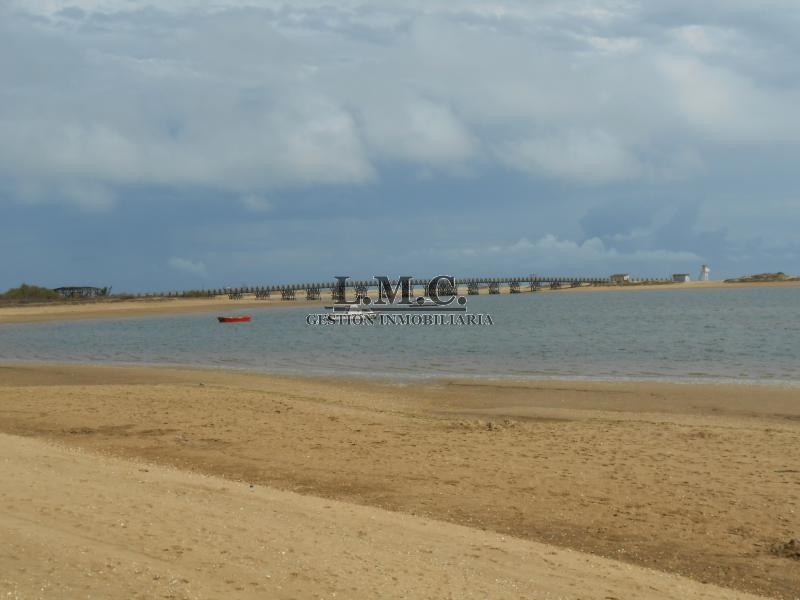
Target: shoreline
411,379
144,307
708,392
695,480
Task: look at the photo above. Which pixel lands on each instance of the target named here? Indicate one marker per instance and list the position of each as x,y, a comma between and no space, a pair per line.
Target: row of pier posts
472,287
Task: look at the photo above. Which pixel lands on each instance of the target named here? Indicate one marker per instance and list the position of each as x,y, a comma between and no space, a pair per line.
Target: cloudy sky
157,146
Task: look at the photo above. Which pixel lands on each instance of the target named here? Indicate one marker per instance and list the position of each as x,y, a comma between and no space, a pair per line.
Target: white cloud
253,99
592,255
727,107
706,39
616,45
187,266
585,157
256,203
89,196
418,130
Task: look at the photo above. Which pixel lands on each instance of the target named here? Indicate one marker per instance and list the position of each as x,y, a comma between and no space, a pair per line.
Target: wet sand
461,487
144,307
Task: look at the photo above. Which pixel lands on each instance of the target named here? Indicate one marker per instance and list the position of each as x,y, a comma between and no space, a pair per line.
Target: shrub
30,293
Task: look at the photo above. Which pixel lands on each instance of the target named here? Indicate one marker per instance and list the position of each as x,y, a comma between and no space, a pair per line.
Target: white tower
704,271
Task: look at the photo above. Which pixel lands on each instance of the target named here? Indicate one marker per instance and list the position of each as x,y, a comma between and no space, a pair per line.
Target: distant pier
470,286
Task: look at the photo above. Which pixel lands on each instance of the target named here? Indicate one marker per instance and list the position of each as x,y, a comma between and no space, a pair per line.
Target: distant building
620,278
680,277
704,272
82,291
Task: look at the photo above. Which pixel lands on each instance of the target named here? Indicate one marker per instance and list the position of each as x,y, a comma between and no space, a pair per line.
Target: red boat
239,319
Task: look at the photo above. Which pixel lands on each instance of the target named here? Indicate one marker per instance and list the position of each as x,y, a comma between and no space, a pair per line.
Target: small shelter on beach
680,277
620,278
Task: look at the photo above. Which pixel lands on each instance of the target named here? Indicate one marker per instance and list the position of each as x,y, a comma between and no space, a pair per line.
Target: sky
162,146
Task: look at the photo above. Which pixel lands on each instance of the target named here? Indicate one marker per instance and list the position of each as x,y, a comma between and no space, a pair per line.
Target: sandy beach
144,307
399,300
203,483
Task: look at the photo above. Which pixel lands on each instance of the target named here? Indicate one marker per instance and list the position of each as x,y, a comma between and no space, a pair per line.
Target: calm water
735,334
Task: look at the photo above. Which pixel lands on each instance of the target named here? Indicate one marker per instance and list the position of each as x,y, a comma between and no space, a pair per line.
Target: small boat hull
239,319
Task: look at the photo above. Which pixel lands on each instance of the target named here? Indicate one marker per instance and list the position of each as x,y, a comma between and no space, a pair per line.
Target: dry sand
487,483
115,309
144,307
76,525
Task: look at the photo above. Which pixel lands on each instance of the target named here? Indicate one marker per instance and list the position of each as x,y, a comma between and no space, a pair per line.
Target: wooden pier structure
352,288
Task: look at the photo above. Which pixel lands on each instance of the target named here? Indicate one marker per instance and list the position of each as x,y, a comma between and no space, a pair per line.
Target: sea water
741,334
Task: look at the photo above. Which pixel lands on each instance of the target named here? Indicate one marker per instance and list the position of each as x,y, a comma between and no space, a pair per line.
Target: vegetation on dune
763,277
30,293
